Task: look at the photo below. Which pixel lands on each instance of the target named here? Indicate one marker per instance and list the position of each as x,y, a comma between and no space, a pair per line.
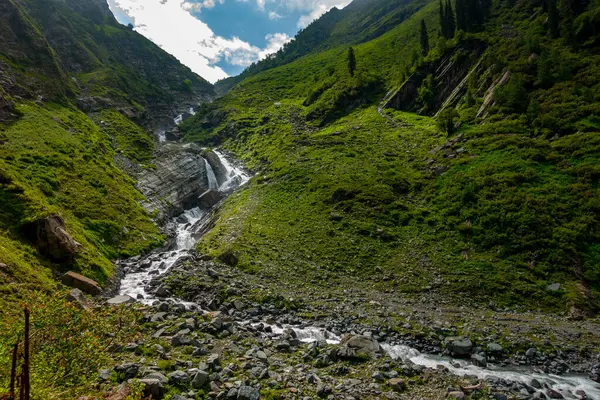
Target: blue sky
219,38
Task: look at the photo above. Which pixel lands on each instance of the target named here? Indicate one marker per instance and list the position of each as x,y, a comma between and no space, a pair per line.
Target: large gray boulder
362,343
461,346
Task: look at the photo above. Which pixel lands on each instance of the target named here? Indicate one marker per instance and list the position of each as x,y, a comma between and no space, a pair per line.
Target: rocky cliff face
448,74
178,180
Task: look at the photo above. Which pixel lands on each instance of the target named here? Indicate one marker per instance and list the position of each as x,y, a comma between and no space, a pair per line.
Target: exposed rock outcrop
449,77
177,181
209,198
217,166
52,239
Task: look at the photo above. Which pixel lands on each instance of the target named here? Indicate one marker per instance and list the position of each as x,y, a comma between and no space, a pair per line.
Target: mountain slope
76,89
499,210
358,22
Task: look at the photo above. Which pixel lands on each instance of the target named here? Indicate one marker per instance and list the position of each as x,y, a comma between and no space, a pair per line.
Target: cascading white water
210,174
567,385
186,225
235,176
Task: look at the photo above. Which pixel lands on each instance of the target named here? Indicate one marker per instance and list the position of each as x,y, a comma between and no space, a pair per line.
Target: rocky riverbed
234,338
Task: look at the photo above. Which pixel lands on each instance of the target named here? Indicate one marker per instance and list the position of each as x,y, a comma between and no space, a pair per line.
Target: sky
220,38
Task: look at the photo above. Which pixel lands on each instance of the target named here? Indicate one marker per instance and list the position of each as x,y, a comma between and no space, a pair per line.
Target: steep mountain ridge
358,22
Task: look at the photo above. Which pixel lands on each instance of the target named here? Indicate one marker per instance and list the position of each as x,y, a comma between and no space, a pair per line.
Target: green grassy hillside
498,210
76,89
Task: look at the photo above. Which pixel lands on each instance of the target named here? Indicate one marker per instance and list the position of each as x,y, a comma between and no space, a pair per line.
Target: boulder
553,287
457,395
76,296
158,376
120,299
248,393
397,384
153,388
179,378
52,239
82,283
128,370
209,198
460,346
361,343
199,379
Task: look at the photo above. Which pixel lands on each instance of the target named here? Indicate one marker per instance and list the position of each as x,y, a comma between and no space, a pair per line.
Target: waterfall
235,176
212,179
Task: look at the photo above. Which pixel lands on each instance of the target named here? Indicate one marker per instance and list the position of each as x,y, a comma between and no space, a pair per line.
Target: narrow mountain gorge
401,203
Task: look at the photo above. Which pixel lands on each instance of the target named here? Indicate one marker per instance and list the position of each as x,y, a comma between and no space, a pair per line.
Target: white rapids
186,226
567,385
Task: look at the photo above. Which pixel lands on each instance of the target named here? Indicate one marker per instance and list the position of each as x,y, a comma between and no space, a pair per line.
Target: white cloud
170,24
273,15
317,8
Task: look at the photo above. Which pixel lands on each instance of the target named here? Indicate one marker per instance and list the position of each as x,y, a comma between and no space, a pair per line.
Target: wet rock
532,352
217,166
209,198
82,283
460,346
119,300
535,384
179,178
362,343
479,360
52,239
248,393
553,394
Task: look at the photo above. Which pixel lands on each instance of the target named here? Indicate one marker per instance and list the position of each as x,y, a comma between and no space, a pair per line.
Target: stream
140,273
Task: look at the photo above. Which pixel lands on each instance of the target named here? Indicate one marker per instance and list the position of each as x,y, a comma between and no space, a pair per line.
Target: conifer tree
553,18
351,61
424,39
451,25
443,20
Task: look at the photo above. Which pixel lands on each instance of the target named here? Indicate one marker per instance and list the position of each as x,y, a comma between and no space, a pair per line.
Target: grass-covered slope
54,159
498,210
76,90
359,22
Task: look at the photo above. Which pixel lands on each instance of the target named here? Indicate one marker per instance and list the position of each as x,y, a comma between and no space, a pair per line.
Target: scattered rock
248,393
179,378
82,283
199,379
460,346
120,299
397,384
76,296
553,287
457,395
